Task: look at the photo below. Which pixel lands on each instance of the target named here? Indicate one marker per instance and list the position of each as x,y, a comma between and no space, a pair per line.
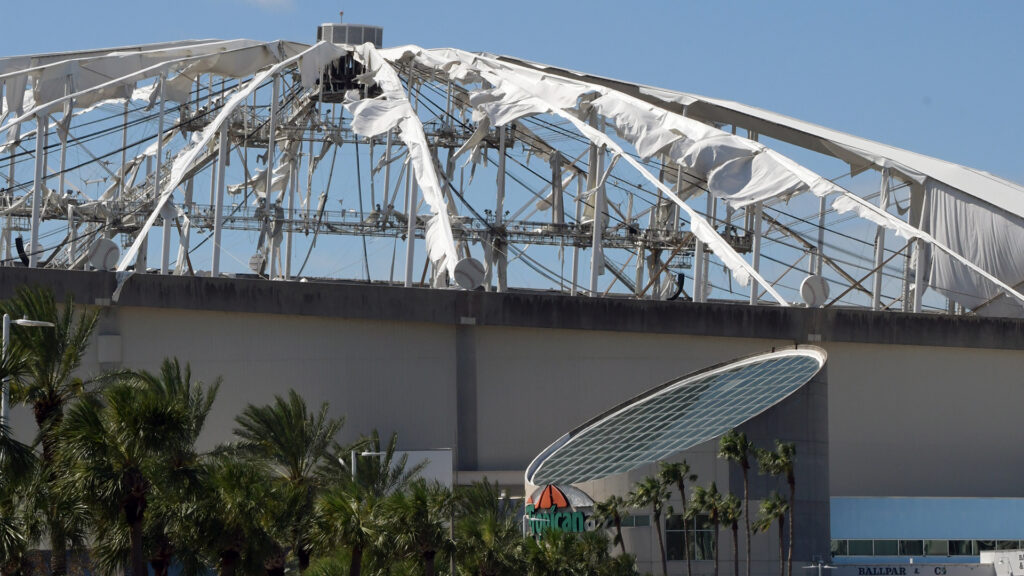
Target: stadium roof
958,228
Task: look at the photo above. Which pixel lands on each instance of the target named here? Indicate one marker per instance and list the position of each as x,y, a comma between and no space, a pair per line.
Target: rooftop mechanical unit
354,34
340,76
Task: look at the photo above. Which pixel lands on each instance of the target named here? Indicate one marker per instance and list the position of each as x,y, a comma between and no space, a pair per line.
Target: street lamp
5,401
367,453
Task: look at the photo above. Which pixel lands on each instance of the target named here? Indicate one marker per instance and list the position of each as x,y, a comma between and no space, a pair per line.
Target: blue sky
940,78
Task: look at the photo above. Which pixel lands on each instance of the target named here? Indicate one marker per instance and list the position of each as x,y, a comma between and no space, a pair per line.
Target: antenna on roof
341,16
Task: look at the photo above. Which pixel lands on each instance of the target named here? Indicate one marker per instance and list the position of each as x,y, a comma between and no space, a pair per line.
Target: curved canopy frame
961,225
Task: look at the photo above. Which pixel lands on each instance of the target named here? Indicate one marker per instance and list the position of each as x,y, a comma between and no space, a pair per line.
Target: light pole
367,453
5,401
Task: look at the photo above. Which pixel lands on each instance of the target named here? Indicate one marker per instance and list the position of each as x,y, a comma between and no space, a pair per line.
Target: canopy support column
638,273
222,159
595,183
410,224
821,236
271,151
699,257
165,244
883,203
498,243
63,135
183,234
557,194
293,177
124,150
573,291
756,223
384,211
37,189
72,236
165,239
7,221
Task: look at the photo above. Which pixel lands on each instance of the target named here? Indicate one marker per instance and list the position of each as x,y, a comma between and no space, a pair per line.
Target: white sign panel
438,464
911,570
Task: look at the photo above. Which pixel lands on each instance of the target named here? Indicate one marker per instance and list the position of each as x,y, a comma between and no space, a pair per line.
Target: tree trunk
782,557
686,530
746,510
661,545
792,501
428,562
138,561
736,550
618,533
134,508
715,550
49,414
356,566
160,561
273,565
58,548
229,562
302,553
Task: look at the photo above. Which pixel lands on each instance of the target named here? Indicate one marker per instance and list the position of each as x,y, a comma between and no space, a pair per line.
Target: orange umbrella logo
552,497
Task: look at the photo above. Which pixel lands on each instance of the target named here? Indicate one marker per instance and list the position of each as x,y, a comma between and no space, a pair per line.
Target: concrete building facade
917,405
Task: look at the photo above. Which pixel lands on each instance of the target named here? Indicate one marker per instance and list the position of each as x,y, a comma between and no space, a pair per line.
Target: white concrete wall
904,420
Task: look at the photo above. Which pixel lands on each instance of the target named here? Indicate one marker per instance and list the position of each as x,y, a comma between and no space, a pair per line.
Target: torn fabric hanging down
396,111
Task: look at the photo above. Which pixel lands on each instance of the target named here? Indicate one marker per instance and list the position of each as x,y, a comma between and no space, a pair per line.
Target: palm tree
678,473
653,493
180,485
711,503
736,447
773,510
612,508
559,553
126,442
420,519
52,355
381,471
488,533
781,463
346,515
235,511
17,465
17,460
731,513
294,444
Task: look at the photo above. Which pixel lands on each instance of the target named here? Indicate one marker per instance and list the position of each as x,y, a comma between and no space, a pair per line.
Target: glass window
911,548
962,548
701,538
639,520
936,547
839,548
1006,544
674,545
860,548
676,416
886,548
703,545
984,545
